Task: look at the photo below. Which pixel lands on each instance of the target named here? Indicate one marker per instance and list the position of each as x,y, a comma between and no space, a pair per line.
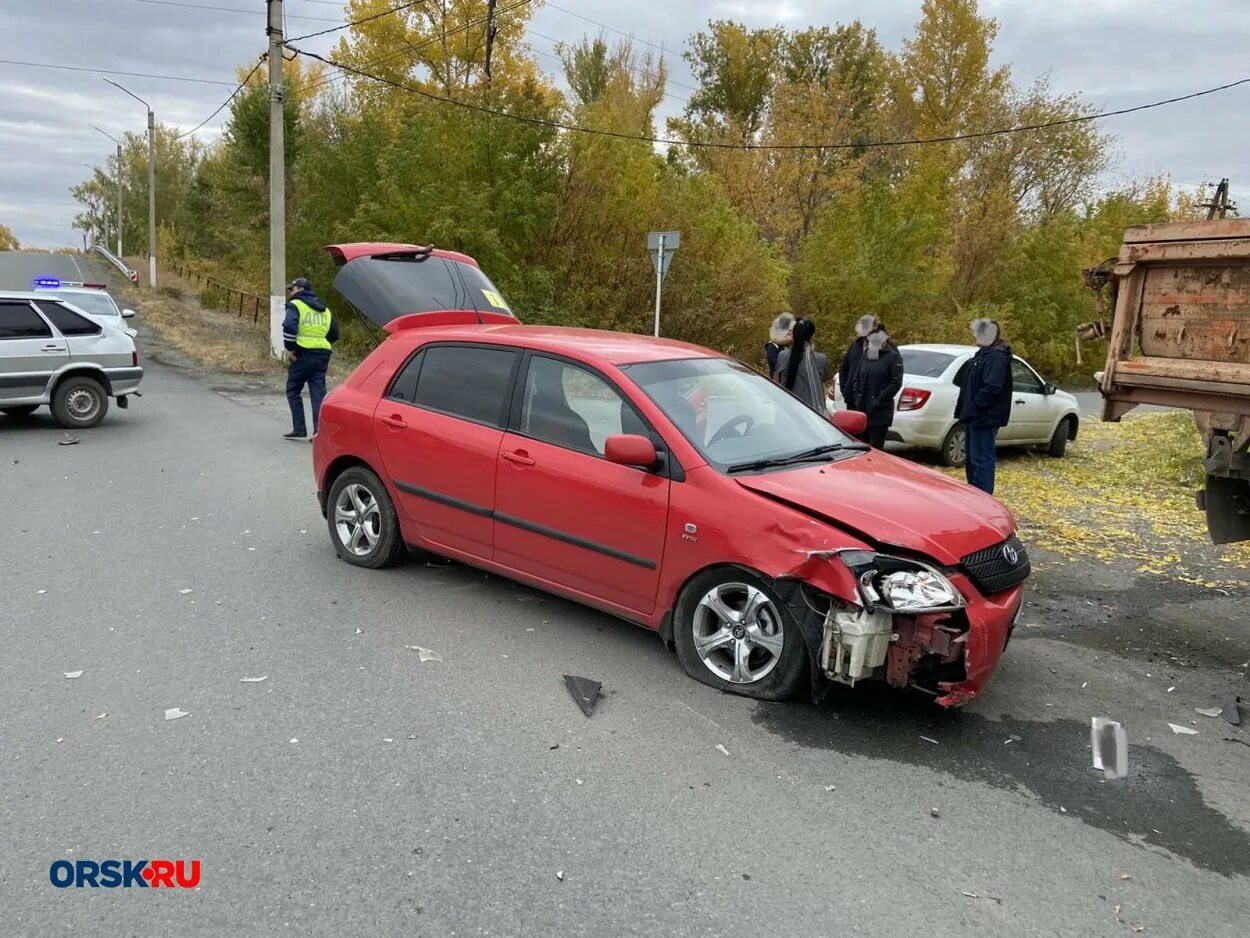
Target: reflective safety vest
313,326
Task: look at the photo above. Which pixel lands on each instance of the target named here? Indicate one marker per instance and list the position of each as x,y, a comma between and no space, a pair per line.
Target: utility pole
151,183
119,186
490,35
277,181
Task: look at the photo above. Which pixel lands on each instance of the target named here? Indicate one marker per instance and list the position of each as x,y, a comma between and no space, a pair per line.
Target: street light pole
151,182
119,186
277,181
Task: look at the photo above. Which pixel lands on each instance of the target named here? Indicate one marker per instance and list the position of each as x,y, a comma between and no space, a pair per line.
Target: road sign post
662,245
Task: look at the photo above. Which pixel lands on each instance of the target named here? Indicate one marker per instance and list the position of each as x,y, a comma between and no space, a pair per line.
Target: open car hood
393,284
892,502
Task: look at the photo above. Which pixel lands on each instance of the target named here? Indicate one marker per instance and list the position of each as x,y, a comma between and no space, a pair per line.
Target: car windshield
97,304
925,363
734,416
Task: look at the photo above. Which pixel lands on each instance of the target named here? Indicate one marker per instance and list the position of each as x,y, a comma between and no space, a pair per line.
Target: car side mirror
1049,389
628,449
851,422
128,314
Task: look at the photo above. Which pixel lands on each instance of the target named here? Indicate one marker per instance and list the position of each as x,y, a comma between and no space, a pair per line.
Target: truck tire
79,402
1227,503
1059,442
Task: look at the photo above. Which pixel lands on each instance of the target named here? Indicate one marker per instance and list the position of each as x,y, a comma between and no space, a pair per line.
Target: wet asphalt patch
1159,804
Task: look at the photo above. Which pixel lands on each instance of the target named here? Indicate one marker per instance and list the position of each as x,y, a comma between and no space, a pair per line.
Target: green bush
213,296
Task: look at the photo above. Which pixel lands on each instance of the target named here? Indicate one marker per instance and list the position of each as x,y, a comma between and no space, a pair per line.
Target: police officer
308,332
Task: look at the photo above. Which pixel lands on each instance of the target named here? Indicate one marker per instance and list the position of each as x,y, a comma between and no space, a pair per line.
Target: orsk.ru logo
111,874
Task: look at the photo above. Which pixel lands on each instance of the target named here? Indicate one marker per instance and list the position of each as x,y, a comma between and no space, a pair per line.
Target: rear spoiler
448,317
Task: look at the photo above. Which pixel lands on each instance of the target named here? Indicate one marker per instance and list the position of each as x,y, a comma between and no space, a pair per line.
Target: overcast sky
1114,53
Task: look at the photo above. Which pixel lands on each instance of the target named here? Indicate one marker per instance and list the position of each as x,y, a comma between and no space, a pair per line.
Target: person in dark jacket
984,404
854,355
876,380
309,332
778,339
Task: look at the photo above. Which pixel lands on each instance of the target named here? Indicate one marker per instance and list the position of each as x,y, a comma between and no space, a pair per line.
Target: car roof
613,348
939,347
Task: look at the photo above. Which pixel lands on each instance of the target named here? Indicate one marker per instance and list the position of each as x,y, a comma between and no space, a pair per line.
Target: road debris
101,716
584,691
387,739
1013,738
720,747
71,675
176,713
560,875
579,781
930,740
425,654
1230,713
1183,730
359,630
973,895
253,680
934,812
1209,711
295,739
1138,929
41,592
68,441
1109,743
1126,878
60,739
831,788
184,592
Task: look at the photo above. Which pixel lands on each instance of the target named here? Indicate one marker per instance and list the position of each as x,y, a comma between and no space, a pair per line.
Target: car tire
24,410
79,402
954,451
734,654
363,525
1059,442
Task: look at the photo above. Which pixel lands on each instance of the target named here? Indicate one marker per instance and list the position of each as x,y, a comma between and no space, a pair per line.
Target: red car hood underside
893,502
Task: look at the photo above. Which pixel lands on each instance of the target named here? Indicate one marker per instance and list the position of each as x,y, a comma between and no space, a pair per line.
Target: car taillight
913,399
134,359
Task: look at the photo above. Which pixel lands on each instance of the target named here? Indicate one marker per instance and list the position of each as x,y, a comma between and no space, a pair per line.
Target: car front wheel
733,633
954,450
363,525
80,402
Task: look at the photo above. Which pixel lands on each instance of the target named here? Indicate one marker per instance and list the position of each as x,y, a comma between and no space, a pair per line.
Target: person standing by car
801,369
876,380
864,327
984,404
309,332
778,339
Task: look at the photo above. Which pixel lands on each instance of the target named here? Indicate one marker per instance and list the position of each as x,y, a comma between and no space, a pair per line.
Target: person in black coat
984,404
854,355
877,379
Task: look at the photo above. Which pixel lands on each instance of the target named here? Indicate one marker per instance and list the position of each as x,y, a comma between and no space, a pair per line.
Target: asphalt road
178,549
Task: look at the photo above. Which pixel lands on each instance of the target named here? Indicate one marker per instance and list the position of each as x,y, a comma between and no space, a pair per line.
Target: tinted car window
404,387
484,296
19,321
924,363
570,406
67,321
1023,379
467,382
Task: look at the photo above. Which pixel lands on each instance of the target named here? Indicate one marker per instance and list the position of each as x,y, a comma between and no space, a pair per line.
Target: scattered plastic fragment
1209,711
360,631
1013,738
253,680
1183,730
387,739
973,895
1109,743
40,592
560,875
175,713
1170,689
721,748
68,441
425,654
1125,878
1230,713
295,740
1085,685
579,781
60,739
184,592
72,674
934,812
584,691
555,746
1138,929
928,739
101,716
831,787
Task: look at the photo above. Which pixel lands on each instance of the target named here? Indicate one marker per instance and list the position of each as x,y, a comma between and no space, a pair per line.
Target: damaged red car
659,482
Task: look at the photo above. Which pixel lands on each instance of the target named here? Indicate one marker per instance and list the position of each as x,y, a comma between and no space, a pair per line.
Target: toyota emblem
1010,555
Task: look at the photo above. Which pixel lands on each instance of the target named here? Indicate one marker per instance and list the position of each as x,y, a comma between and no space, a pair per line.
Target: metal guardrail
117,262
244,299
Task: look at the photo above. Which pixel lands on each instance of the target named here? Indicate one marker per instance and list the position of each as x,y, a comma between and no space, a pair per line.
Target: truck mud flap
1227,503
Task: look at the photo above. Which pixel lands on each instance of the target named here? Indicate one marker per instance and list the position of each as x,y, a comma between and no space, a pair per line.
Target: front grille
992,570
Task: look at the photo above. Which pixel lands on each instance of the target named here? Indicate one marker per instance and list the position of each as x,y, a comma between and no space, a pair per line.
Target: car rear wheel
955,447
363,525
80,402
25,410
1059,442
733,633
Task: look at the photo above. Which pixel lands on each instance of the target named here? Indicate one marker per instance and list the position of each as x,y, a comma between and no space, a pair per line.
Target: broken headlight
900,585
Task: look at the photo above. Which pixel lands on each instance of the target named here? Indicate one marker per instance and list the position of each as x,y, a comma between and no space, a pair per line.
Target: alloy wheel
738,633
357,519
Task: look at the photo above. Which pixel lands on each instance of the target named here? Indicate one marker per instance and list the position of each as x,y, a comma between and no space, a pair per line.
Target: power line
215,9
611,29
865,145
351,23
226,103
111,71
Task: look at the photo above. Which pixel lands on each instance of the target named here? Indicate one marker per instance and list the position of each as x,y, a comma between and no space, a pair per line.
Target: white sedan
924,411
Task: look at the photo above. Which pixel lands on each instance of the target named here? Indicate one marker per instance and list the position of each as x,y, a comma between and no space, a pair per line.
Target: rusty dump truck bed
1181,337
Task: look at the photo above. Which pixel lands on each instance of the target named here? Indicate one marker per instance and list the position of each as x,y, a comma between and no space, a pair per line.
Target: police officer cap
299,283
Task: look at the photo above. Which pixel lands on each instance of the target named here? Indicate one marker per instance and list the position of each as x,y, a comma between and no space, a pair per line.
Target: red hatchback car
660,482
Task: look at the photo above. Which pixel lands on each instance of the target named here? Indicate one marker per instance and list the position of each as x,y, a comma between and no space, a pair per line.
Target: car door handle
1020,401
520,457
396,421
54,348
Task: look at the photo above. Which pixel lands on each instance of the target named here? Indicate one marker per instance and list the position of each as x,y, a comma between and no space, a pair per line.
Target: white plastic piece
1109,743
1183,730
855,643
